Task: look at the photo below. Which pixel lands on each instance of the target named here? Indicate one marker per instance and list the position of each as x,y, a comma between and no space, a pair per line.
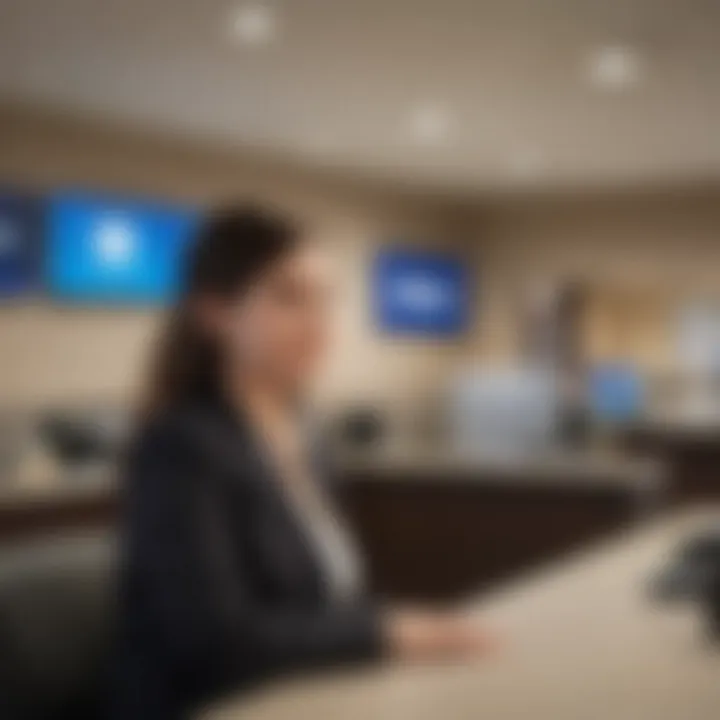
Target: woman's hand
421,636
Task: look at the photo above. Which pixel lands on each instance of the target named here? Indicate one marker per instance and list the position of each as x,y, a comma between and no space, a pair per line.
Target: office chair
56,627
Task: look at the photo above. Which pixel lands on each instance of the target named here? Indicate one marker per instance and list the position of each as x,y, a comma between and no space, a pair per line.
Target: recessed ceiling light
254,24
431,124
615,67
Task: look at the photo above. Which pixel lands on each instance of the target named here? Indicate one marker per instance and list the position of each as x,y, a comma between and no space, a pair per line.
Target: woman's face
280,328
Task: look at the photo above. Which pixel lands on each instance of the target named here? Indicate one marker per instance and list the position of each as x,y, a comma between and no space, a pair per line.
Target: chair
56,628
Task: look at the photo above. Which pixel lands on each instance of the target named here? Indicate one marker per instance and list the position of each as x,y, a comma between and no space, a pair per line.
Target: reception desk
690,451
581,641
435,526
432,525
56,503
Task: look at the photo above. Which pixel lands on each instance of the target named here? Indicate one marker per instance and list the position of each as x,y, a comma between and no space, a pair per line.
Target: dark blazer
219,588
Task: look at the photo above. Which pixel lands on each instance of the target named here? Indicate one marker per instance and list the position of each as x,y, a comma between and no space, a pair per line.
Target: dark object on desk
574,426
361,428
56,627
80,438
694,576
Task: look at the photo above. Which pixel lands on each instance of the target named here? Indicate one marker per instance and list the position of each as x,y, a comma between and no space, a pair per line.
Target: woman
235,567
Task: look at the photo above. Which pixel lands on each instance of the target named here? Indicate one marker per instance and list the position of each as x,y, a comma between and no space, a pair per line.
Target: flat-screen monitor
116,251
510,412
616,392
419,292
20,244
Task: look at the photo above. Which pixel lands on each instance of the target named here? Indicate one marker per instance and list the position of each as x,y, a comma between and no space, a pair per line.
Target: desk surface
575,471
582,643
558,469
57,489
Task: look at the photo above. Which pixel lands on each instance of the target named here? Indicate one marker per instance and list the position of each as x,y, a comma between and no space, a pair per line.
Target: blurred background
523,197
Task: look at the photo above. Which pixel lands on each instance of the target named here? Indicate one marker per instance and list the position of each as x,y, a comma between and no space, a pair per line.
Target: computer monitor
20,244
419,292
116,251
616,392
510,411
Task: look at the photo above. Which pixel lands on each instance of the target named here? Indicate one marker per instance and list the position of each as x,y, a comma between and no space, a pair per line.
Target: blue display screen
420,293
616,392
20,244
103,250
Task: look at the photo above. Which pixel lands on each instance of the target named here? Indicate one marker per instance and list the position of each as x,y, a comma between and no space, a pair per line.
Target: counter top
555,467
582,642
403,464
57,488
701,426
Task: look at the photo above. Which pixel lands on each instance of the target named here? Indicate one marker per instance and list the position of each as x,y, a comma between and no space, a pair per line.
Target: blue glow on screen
116,251
420,293
617,392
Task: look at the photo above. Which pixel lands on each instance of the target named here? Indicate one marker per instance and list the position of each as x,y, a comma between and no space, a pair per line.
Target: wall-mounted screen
420,293
20,244
104,250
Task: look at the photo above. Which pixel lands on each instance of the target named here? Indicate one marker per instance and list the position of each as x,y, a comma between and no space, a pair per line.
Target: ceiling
341,79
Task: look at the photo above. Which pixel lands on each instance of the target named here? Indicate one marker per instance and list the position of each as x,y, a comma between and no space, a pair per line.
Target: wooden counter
690,450
55,505
556,468
431,525
582,642
437,526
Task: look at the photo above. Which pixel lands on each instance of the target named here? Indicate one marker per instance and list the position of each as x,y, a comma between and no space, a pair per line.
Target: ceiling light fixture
254,24
615,67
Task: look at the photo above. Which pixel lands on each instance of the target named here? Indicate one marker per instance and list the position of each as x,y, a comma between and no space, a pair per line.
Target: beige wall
640,254
51,354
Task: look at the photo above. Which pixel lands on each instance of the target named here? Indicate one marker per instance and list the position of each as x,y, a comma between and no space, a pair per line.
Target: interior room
519,203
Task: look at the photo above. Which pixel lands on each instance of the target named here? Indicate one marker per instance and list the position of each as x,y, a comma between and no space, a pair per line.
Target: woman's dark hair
232,248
